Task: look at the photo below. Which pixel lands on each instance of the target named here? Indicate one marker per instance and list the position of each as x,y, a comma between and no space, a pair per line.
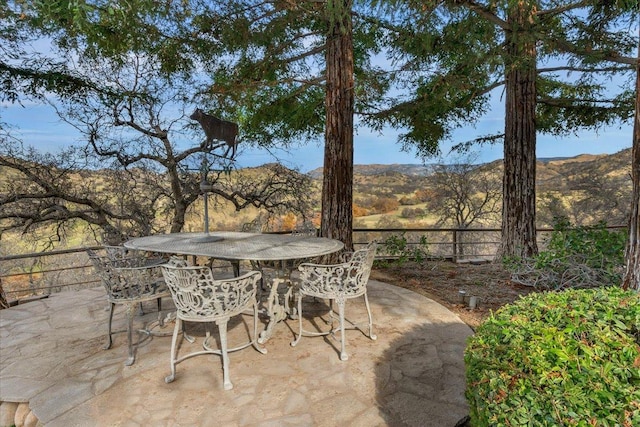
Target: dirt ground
442,281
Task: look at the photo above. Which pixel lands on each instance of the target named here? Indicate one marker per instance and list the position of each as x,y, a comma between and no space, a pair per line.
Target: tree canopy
287,72
554,61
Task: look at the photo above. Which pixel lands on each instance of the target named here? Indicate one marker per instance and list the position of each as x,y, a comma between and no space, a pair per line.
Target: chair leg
107,346
174,350
160,319
295,341
343,338
254,338
186,336
131,308
371,334
331,313
222,328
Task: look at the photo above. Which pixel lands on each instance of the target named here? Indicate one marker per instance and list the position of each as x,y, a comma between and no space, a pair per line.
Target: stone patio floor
54,371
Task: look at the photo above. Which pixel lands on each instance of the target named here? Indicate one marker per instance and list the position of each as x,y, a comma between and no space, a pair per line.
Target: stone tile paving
52,361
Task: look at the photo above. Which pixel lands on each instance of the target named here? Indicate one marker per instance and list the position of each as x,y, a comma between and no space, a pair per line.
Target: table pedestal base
278,306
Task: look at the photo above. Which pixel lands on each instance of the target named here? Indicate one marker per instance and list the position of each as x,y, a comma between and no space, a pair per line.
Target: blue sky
39,126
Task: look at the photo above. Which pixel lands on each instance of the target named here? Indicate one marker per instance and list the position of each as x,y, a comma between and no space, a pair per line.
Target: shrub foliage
600,247
568,358
401,250
574,257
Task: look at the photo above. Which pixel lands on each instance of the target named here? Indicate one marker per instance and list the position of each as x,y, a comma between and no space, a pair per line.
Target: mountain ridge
418,169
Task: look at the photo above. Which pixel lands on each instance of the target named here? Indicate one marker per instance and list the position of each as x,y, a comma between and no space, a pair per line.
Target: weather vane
220,130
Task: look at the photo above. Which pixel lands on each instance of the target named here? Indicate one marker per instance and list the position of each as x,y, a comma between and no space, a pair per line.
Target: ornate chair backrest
348,279
254,226
115,252
200,297
359,270
126,278
306,229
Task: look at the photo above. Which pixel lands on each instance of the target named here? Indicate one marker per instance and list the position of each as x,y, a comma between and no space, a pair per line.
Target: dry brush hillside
586,188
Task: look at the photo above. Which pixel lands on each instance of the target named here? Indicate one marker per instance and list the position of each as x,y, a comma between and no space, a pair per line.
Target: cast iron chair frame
199,297
336,282
129,279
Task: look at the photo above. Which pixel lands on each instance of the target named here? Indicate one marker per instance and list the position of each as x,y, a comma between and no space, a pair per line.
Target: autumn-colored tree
289,221
359,211
424,194
385,204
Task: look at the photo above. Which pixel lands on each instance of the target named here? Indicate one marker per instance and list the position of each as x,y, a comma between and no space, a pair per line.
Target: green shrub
567,358
600,248
574,257
398,247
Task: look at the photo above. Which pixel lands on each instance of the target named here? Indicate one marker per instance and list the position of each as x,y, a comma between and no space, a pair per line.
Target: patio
413,375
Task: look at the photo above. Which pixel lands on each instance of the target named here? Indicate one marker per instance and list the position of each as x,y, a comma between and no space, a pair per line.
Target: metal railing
454,244
43,273
40,274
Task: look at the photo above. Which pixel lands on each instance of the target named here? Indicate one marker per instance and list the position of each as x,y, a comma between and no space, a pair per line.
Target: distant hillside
578,158
546,165
582,171
585,188
377,169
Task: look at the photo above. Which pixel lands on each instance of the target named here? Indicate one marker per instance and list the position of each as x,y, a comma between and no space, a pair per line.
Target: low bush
600,247
412,213
574,257
568,358
401,250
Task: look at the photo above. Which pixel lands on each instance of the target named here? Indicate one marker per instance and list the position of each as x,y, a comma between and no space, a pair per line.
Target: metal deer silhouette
217,129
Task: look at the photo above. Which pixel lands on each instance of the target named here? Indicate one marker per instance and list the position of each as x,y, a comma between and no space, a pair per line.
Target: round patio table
232,246
238,246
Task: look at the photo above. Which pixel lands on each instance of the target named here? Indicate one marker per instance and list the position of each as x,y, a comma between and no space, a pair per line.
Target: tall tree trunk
3,298
337,186
519,179
632,275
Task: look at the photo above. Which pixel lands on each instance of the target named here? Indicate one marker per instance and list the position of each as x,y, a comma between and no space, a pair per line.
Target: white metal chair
337,282
118,253
129,279
200,298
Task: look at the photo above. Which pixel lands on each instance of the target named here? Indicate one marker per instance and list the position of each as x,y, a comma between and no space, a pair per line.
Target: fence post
454,255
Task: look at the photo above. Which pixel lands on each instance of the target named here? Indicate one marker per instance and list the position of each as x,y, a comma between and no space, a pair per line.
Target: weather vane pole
206,187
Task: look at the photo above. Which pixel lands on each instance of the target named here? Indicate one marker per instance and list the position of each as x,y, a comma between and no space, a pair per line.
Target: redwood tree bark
337,185
3,299
632,275
519,179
